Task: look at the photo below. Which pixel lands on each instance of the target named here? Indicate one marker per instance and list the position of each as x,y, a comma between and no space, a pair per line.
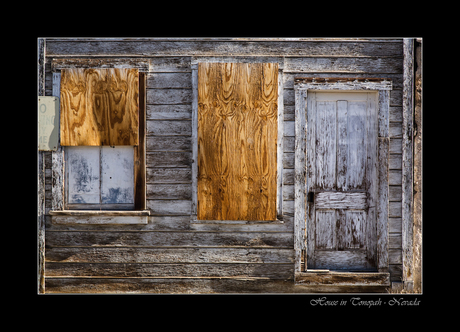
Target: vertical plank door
237,141
341,180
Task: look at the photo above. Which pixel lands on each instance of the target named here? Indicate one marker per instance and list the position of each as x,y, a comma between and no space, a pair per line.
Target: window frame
280,139
139,214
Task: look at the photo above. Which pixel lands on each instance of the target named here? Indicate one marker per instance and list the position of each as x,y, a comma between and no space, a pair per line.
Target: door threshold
340,271
316,271
342,278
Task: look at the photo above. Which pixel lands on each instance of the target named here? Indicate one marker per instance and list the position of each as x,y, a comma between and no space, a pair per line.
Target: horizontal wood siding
170,254
153,47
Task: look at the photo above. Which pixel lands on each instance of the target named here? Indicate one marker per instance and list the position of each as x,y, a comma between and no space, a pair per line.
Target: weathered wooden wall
169,254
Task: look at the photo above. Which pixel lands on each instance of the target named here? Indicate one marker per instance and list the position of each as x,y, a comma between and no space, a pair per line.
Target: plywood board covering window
237,141
99,107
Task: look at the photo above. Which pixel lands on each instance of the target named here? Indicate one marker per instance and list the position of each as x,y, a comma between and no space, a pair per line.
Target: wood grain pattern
237,141
342,278
168,255
210,47
57,157
272,271
168,239
407,155
199,285
341,200
99,107
41,43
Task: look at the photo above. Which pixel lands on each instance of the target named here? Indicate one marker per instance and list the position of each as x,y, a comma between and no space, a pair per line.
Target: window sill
96,217
236,222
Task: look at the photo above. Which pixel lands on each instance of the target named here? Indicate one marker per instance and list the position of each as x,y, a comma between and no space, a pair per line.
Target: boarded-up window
103,129
99,107
237,141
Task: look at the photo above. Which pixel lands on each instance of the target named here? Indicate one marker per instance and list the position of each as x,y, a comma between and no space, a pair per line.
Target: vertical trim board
57,156
139,150
407,167
41,50
383,206
299,177
194,211
280,145
383,180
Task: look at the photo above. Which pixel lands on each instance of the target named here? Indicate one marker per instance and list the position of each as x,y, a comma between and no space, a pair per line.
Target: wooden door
341,180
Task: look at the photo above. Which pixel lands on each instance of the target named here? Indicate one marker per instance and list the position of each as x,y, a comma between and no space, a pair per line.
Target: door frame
301,87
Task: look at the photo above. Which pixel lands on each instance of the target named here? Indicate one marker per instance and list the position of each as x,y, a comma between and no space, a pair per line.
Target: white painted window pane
117,175
83,174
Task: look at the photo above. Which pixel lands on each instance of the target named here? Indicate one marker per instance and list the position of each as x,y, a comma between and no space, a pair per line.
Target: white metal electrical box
48,123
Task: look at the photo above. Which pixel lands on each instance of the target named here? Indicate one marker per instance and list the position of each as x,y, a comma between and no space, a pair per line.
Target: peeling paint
118,195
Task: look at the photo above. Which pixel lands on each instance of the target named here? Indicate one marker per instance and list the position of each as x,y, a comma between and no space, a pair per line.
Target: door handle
311,197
